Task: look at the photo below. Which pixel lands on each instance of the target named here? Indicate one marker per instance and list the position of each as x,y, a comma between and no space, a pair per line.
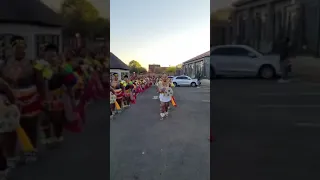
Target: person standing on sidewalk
284,60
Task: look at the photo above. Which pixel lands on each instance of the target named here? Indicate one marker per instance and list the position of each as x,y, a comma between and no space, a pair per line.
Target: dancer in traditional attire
9,122
54,107
28,88
128,86
166,92
117,88
113,99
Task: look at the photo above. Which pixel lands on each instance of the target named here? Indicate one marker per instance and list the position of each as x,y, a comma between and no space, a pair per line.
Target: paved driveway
83,156
265,130
145,148
141,146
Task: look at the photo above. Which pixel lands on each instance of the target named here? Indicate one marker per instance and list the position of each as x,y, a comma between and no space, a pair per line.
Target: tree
101,27
142,70
80,16
171,70
135,66
179,66
134,63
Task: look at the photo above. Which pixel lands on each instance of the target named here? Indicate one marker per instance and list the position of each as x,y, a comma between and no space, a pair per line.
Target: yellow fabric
96,62
117,105
173,102
58,92
47,73
45,70
123,83
87,61
24,140
80,82
38,66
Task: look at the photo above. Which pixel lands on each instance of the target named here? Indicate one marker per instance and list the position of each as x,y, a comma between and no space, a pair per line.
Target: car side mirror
252,55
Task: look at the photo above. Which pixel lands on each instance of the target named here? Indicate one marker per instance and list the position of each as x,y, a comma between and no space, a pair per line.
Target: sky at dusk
166,32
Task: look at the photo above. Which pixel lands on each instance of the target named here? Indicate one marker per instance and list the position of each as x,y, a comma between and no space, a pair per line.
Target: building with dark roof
153,67
118,66
197,66
34,21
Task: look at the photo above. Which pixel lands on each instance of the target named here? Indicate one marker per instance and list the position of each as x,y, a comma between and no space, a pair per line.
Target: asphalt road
82,156
265,130
141,146
145,148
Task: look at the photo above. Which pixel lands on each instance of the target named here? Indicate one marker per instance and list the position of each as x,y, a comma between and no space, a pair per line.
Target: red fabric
80,110
211,138
34,106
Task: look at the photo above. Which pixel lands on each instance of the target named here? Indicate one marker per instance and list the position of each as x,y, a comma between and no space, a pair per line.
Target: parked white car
184,81
242,60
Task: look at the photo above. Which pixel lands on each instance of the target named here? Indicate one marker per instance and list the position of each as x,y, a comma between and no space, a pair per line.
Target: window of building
123,74
5,46
43,39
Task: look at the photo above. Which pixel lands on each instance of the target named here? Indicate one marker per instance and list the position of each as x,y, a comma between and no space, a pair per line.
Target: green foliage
83,18
171,70
136,67
134,63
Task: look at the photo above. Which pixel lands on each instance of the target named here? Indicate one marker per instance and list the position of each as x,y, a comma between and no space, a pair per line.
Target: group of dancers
124,92
52,91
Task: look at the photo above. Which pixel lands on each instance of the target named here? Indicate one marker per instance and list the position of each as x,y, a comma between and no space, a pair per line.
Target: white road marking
205,100
155,97
305,124
287,106
200,92
291,94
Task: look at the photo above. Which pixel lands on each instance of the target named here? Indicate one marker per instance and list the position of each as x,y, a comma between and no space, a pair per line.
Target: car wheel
175,84
267,72
193,84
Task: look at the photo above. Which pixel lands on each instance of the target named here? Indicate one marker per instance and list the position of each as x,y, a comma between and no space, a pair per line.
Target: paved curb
205,83
306,68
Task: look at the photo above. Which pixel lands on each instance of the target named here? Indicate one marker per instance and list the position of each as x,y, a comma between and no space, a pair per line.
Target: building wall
263,23
218,35
153,67
310,23
29,32
197,67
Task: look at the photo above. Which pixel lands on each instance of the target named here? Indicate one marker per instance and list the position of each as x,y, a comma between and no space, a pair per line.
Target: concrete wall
29,32
262,23
195,67
311,25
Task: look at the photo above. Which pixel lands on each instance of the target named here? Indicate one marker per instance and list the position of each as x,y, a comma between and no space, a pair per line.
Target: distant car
243,60
170,77
185,81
